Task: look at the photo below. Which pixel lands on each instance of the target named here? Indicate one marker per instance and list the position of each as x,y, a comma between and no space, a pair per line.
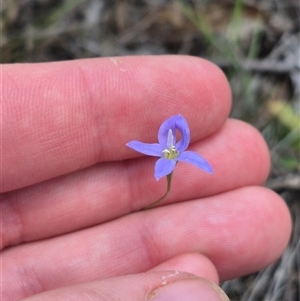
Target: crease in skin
15,223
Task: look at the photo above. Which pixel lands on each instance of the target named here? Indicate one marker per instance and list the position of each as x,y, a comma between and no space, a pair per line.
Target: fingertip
239,153
281,219
261,227
259,151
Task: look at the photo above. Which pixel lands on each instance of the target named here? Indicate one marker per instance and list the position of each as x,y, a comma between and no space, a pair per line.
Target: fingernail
191,290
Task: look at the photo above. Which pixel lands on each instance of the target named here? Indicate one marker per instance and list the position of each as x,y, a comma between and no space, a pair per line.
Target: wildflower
170,151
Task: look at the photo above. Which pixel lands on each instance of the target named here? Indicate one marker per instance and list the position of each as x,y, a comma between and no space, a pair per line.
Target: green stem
169,179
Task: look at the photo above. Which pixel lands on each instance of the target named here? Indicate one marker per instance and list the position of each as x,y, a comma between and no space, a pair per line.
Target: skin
71,191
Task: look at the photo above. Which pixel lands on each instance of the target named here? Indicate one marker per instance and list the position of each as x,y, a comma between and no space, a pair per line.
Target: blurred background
256,43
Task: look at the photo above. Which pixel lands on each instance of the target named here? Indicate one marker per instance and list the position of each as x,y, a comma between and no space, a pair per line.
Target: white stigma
170,141
170,152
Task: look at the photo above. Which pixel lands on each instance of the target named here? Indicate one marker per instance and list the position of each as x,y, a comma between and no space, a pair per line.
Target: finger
61,117
230,225
192,263
155,286
237,152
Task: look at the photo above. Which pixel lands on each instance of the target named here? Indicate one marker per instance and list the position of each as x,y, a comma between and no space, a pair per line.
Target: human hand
72,190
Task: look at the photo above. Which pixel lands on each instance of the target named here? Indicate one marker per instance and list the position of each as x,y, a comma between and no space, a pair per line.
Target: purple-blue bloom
169,150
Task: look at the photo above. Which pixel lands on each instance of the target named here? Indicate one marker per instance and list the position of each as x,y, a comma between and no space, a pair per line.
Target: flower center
171,152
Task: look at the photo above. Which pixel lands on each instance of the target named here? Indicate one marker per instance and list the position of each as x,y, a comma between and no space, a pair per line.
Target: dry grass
255,42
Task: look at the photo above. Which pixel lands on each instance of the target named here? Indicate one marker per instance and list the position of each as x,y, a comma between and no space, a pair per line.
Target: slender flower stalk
170,152
169,180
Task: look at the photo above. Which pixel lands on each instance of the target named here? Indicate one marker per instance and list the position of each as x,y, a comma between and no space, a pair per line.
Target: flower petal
163,167
150,149
174,123
195,159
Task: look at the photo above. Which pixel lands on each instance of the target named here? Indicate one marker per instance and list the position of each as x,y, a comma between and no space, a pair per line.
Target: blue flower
169,150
